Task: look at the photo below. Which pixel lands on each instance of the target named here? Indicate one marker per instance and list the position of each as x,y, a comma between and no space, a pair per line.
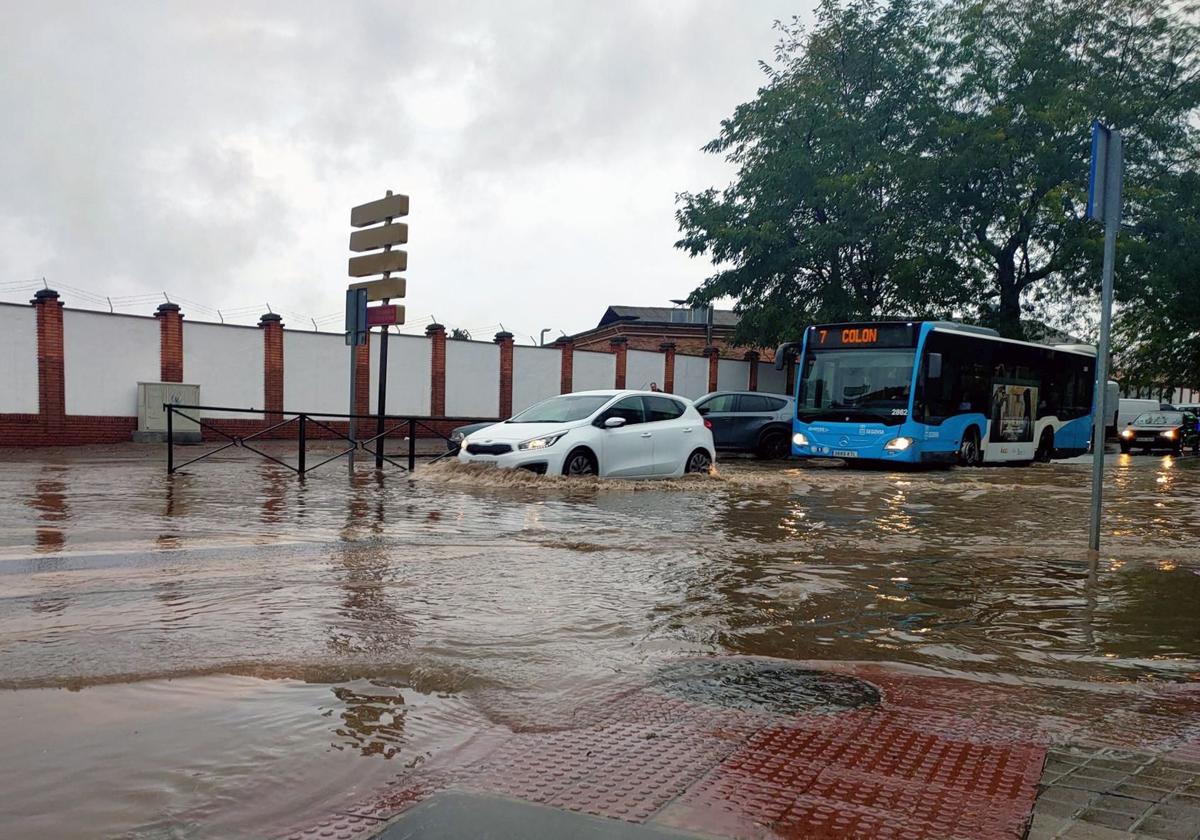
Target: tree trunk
1008,316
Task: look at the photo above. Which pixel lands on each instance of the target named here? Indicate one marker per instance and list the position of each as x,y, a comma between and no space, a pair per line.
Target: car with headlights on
1170,430
627,434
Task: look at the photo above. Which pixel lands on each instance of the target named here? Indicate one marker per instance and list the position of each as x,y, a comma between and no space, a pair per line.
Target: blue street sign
1097,173
356,317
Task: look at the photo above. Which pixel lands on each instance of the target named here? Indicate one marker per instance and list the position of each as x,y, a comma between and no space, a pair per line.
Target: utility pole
1104,205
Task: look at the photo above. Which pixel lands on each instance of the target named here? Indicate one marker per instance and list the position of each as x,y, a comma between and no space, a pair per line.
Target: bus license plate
844,453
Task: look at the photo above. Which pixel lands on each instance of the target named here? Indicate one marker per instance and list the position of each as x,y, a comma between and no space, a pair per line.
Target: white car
627,434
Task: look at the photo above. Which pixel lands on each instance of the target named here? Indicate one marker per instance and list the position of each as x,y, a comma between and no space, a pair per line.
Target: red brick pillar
272,326
668,350
620,346
170,342
791,376
505,340
751,357
566,379
437,370
714,362
52,389
362,381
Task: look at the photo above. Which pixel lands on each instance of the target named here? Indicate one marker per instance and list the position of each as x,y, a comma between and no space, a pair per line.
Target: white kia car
628,434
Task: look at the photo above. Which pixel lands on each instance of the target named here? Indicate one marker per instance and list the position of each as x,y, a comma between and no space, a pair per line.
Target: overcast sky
213,150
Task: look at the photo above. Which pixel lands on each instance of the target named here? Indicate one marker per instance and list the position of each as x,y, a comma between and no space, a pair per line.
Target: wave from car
627,434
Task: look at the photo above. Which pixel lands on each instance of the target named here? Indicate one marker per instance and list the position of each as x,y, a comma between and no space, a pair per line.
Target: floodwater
217,653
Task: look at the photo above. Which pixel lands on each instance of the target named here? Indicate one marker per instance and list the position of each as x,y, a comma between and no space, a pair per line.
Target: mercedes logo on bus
844,441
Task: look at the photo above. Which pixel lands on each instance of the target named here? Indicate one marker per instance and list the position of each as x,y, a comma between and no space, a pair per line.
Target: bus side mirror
935,366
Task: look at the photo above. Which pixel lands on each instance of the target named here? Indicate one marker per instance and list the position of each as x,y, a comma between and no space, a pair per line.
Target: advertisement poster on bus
1013,409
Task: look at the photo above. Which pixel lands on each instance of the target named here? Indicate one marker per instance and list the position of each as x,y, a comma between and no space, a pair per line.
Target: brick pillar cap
563,340
667,345
166,307
502,336
433,329
712,350
751,355
44,294
617,340
270,318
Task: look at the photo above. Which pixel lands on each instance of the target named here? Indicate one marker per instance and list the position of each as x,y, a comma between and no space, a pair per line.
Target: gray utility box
152,417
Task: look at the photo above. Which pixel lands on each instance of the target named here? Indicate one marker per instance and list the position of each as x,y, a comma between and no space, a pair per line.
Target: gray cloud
214,150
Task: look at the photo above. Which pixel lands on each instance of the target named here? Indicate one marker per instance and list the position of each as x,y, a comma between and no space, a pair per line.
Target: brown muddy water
216,653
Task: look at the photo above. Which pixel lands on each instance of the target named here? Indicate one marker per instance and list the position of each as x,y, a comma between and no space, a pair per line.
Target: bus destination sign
862,335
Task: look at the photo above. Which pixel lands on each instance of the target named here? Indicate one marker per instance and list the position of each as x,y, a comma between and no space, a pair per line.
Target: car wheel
773,445
699,461
580,462
1045,448
968,448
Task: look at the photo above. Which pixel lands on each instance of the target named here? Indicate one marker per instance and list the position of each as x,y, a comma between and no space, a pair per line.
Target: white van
1112,408
1132,408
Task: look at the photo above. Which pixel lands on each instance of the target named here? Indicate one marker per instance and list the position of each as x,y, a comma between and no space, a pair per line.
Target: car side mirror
702,409
614,422
935,366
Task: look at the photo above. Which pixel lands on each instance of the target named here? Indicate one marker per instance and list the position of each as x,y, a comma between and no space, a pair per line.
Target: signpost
1104,205
384,289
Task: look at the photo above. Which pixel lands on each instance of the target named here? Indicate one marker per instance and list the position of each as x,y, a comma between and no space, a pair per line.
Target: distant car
629,434
1173,430
456,435
749,421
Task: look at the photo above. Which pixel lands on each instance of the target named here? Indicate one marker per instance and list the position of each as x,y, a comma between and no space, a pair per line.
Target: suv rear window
662,408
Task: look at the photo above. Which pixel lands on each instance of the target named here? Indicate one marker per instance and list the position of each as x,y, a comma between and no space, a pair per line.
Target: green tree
1022,82
922,158
819,223
1158,325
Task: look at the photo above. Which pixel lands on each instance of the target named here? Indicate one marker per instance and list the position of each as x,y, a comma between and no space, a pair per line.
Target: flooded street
209,654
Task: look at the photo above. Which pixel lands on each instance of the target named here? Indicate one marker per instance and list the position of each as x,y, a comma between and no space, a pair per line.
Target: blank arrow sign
378,263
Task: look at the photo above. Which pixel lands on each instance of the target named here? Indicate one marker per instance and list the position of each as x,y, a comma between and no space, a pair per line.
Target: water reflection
50,501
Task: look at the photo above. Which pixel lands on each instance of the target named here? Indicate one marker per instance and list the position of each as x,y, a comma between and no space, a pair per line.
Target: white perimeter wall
691,376
472,379
537,375
733,375
771,381
410,358
18,360
643,367
227,363
316,371
105,357
592,371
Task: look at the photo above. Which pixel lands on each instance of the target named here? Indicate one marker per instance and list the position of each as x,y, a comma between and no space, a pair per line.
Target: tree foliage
922,157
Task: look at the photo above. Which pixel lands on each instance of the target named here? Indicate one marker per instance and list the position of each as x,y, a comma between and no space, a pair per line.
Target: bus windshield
855,385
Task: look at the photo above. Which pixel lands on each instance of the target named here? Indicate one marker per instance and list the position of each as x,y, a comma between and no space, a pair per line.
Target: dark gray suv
748,421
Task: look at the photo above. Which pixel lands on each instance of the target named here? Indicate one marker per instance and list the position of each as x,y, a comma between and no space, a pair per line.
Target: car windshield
564,409
1158,418
864,384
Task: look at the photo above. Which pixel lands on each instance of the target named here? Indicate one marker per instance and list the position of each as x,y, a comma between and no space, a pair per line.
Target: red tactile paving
908,768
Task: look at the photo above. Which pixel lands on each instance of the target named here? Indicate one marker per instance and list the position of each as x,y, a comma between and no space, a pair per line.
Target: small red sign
385,316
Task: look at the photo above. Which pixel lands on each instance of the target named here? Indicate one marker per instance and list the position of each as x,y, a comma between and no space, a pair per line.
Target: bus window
963,386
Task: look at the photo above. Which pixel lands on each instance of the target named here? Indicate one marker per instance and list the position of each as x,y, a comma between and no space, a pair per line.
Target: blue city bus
920,392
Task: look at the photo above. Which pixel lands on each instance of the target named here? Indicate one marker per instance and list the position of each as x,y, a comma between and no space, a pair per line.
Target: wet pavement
235,653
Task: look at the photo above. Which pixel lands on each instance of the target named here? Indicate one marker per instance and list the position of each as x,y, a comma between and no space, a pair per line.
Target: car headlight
898,444
1169,434
1127,433
456,437
541,442
799,439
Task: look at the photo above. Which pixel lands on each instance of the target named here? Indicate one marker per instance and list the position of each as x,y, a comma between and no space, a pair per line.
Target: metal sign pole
383,354
353,431
1104,203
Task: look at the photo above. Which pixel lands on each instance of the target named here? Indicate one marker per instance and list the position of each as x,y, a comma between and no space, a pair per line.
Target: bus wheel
1045,449
968,448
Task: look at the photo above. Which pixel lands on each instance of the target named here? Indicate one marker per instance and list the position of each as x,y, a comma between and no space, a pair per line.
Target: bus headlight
898,444
799,439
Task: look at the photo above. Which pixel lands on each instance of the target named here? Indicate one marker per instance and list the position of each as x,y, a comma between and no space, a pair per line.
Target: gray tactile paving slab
1113,794
454,815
